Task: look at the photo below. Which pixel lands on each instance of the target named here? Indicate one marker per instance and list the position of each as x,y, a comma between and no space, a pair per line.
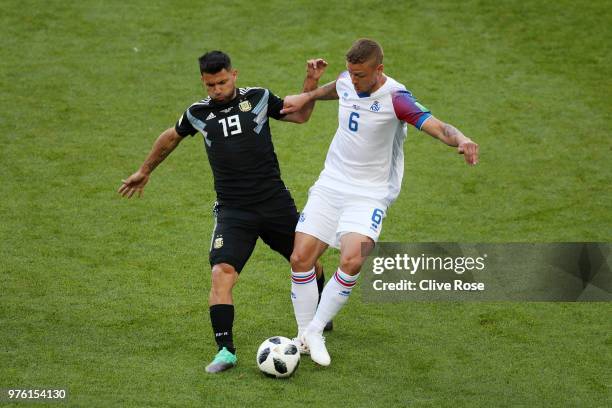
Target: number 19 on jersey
229,122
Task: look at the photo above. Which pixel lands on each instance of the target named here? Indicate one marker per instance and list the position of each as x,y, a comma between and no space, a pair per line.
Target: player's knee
351,264
223,277
300,261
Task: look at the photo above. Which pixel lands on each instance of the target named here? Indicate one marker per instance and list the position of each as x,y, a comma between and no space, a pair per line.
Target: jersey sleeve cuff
422,120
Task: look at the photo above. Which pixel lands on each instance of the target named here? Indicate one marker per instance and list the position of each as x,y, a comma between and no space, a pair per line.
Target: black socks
222,319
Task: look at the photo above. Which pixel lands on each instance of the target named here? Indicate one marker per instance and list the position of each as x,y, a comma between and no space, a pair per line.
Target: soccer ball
278,357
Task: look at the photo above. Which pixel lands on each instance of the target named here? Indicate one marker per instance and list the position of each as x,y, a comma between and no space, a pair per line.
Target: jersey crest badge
218,243
245,106
375,106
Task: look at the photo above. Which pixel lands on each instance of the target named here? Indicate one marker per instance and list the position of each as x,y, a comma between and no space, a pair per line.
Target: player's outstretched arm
163,146
452,137
294,103
314,70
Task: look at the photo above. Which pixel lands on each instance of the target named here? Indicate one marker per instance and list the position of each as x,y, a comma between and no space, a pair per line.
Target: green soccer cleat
224,360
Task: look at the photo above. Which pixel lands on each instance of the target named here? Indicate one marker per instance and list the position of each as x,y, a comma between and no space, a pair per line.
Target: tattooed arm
163,146
294,103
325,92
452,137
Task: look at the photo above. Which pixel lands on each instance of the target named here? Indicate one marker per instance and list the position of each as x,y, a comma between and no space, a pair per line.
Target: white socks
334,296
304,295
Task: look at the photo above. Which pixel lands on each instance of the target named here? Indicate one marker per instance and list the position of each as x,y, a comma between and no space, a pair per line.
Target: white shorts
329,214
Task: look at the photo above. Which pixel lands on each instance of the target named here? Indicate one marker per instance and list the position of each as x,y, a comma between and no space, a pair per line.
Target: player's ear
379,69
234,73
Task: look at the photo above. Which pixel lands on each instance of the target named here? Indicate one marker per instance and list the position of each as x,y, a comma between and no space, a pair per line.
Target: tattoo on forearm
328,91
154,162
450,131
453,134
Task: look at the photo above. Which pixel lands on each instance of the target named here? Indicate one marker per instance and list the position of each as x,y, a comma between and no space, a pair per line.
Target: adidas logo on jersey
210,116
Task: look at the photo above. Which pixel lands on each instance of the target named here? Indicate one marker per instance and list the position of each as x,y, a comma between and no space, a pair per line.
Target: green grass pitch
108,298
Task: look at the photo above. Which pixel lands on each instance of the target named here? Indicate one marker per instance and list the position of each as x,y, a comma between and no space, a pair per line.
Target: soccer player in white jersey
362,177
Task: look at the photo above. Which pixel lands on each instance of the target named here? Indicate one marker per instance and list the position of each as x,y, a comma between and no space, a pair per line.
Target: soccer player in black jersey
252,200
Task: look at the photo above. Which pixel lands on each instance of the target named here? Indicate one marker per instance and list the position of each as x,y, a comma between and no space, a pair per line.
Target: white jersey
366,155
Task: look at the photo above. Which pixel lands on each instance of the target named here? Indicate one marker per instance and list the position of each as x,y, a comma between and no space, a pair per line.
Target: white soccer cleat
301,346
315,342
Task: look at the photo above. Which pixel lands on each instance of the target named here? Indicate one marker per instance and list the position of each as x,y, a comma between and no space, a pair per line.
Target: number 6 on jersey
353,125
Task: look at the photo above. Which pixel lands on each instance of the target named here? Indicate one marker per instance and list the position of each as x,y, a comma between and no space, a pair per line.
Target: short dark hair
214,61
363,50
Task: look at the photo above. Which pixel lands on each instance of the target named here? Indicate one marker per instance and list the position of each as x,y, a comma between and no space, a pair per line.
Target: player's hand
469,150
315,68
133,184
293,103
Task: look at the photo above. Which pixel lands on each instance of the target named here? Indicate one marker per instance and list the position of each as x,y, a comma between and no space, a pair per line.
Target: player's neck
234,95
225,102
379,83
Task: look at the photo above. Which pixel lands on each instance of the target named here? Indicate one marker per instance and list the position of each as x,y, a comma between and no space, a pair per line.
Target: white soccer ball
278,357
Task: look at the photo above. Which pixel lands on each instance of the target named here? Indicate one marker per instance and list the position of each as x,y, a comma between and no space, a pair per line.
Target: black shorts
237,229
